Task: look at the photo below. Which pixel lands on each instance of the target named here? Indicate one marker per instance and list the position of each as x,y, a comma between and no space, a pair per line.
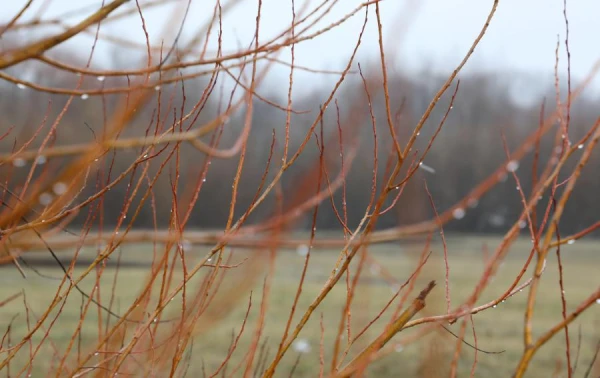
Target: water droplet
45,198
21,86
458,213
95,354
572,241
580,146
419,133
302,346
145,156
157,88
518,187
40,160
204,179
598,300
209,259
522,224
155,320
19,162
100,78
59,188
494,306
302,250
512,166
85,96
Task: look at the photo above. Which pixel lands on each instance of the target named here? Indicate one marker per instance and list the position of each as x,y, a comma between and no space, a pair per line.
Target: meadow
498,329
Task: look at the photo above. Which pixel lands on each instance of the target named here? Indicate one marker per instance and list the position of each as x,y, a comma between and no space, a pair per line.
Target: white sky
431,34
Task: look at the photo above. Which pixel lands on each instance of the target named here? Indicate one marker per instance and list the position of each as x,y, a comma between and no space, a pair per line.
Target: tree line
468,148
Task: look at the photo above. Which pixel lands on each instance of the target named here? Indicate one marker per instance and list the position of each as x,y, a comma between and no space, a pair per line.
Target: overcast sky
432,34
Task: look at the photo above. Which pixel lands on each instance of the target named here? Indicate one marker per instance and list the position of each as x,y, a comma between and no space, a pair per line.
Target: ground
498,329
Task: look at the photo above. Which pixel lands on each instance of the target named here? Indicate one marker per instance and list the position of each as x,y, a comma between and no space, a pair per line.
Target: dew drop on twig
458,213
85,96
21,86
59,188
302,346
302,250
512,166
19,162
572,241
40,160
45,198
100,78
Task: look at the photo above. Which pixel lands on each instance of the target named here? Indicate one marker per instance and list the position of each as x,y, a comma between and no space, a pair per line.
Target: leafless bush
165,129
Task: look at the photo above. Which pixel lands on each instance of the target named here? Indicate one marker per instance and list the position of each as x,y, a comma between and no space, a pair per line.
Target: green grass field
497,329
